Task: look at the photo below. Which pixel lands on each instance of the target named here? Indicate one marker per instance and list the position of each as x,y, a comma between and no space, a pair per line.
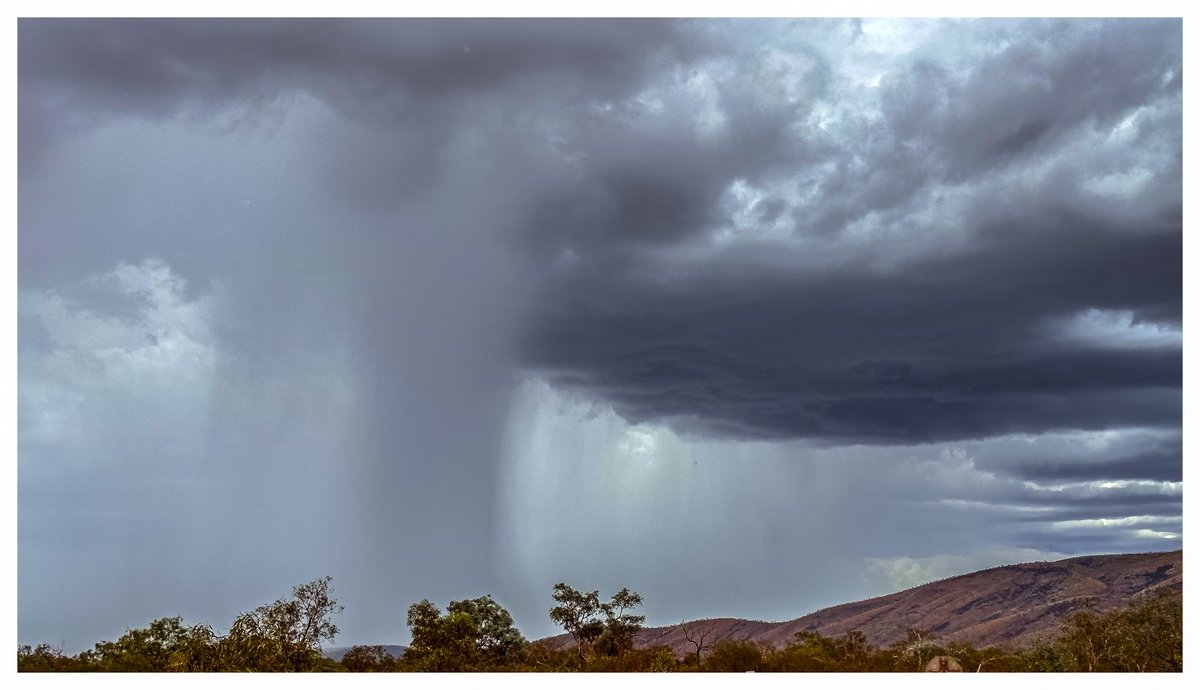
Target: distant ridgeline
1093,613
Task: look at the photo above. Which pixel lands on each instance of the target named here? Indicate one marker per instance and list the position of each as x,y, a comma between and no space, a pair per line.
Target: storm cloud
376,298
921,273
950,348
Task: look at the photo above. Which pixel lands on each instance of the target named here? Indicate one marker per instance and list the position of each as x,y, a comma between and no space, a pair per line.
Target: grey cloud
1036,81
1165,464
158,65
950,349
1108,503
655,185
1095,542
1009,96
656,194
1012,489
73,73
951,344
1017,503
32,335
1143,456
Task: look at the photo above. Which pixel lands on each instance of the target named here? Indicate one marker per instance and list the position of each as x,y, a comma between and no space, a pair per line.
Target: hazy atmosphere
752,317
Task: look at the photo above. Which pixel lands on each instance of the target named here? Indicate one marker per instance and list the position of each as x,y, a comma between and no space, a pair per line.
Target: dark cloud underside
954,348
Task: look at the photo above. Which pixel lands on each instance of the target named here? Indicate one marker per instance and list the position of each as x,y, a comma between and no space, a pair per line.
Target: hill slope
1012,604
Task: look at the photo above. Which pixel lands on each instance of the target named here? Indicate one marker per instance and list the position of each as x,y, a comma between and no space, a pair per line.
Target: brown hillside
1012,604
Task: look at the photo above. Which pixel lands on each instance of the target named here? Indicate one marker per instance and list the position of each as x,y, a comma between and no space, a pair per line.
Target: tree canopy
597,627
285,635
472,634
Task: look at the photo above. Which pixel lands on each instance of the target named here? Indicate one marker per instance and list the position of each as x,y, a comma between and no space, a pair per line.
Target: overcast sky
752,317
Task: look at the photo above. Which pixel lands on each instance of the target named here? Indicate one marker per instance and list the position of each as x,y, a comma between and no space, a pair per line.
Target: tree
440,643
619,626
1089,639
364,659
1147,635
606,627
1150,633
735,656
918,644
165,645
852,651
497,638
807,652
285,635
812,652
579,614
696,633
1044,656
653,659
544,656
45,658
473,634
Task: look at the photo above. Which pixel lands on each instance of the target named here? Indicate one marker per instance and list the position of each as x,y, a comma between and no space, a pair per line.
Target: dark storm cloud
818,340
1156,459
1164,465
954,348
956,334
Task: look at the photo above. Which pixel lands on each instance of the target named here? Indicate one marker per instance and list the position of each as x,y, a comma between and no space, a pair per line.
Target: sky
752,317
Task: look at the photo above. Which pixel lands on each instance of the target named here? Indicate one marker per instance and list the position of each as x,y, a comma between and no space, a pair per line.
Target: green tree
1088,640
544,656
619,625
474,634
165,645
283,636
366,659
1044,656
651,660
607,628
810,651
853,652
807,652
1149,633
579,613
734,656
497,638
45,659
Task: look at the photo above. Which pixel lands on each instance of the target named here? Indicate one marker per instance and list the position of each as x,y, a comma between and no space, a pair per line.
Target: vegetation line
479,635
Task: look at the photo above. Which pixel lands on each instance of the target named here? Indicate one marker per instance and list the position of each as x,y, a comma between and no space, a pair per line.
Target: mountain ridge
1003,605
